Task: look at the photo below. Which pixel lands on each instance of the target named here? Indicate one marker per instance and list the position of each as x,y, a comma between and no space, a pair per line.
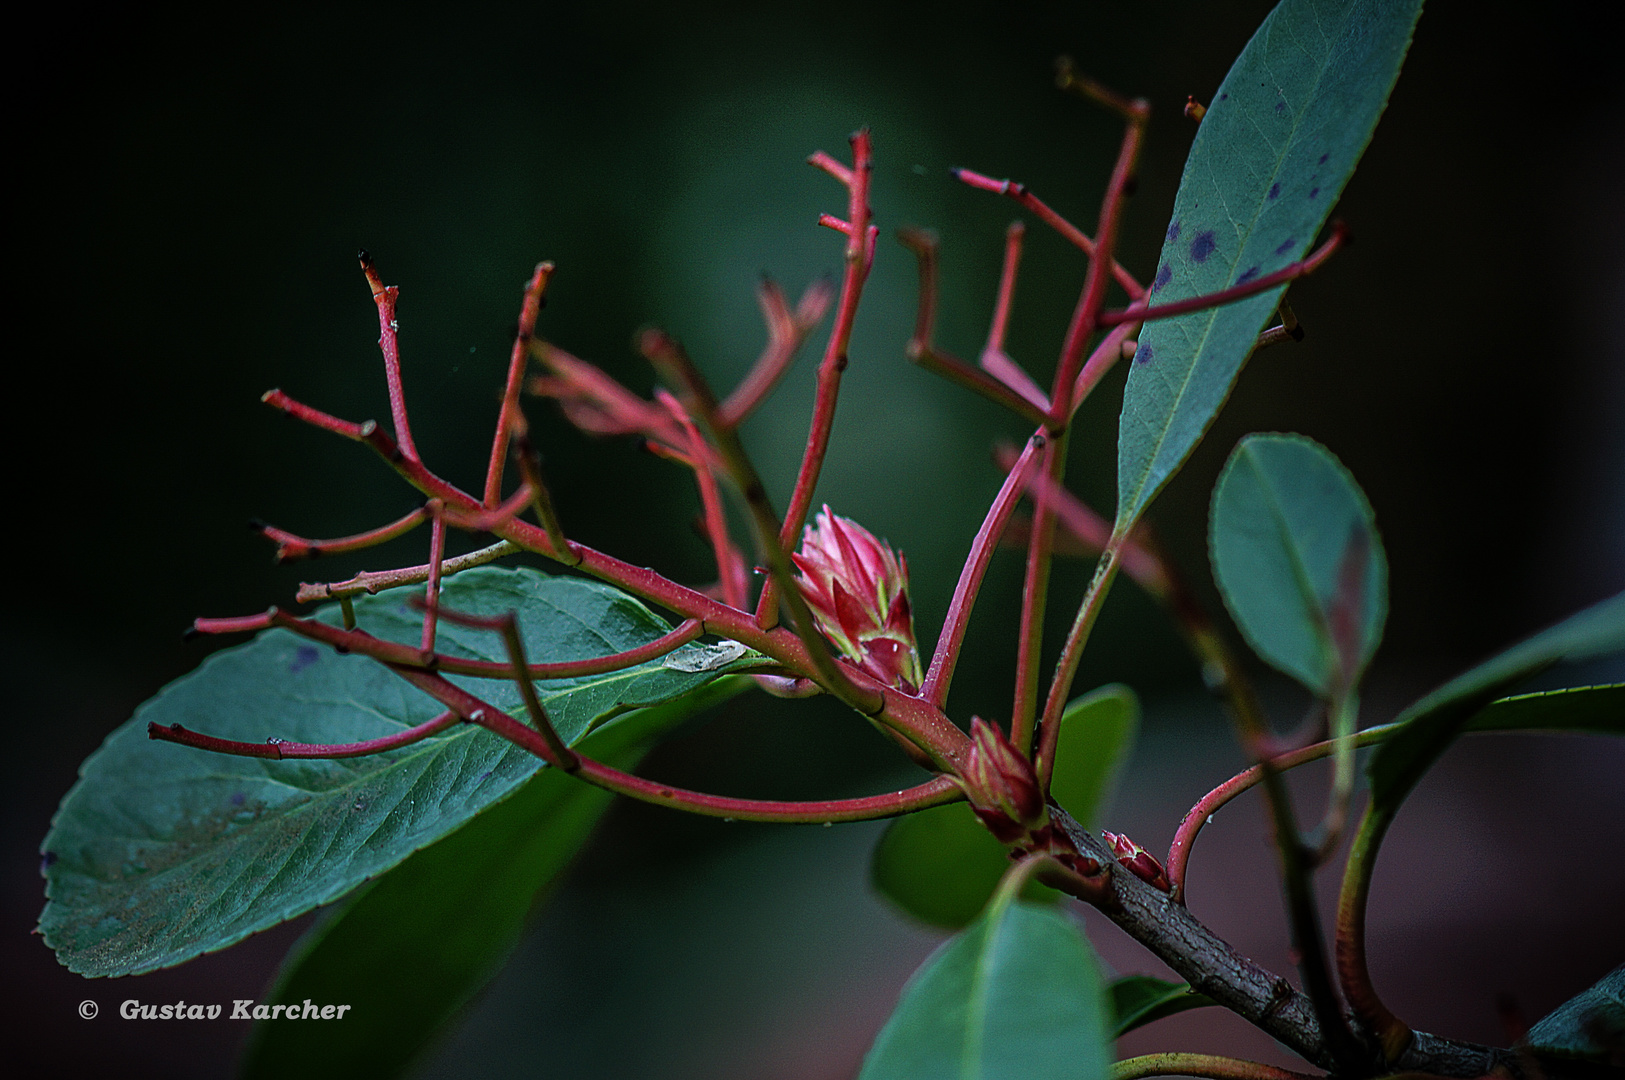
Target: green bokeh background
191,191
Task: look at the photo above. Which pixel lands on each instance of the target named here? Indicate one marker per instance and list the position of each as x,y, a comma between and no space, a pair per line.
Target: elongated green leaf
1016,994
449,915
1297,558
1278,143
940,865
1432,724
1139,999
1597,710
1589,1026
162,852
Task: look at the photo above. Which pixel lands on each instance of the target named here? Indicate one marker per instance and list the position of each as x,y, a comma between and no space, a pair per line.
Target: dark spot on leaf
1313,192
1275,190
1286,246
45,860
1142,355
1173,232
1280,106
486,775
1223,96
238,798
303,657
1203,246
1250,273
1323,158
1164,276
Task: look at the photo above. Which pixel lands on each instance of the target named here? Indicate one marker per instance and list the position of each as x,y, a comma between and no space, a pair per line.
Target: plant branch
385,297
1035,598
921,351
1291,272
1209,1066
1037,206
944,659
787,331
535,290
1049,730
290,547
859,254
1393,1034
283,749
376,581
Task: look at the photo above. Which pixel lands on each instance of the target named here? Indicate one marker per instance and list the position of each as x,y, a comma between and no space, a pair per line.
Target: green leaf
1139,999
940,865
449,915
1432,724
1097,733
1271,156
1598,710
1015,995
1297,558
1590,1026
162,852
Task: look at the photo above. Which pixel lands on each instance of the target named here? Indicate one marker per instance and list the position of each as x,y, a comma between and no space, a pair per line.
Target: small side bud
1139,861
1001,785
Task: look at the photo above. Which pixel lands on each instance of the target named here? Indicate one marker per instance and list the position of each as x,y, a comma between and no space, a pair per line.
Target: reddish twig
283,749
787,331
314,417
1033,203
535,291
994,360
729,573
376,581
437,556
290,547
859,254
921,351
1291,272
945,657
385,297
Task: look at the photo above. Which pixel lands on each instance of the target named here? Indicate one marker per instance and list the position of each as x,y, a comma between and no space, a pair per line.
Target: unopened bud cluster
857,588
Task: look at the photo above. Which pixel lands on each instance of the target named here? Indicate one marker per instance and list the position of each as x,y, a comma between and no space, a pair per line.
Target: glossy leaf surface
1137,1000
1589,1026
1298,560
449,915
162,852
1280,139
1016,994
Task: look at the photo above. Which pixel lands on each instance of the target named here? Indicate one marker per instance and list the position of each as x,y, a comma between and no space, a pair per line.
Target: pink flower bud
1139,861
857,588
1001,784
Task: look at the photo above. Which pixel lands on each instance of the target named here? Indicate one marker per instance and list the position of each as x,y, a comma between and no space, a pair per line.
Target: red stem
314,417
1302,268
786,334
859,254
528,310
716,523
1179,853
1033,203
931,793
437,556
945,658
290,547
282,749
385,296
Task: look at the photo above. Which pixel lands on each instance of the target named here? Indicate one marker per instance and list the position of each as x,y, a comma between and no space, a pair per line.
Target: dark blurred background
191,193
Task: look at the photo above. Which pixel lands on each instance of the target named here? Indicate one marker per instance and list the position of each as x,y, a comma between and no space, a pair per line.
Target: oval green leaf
1279,141
162,852
940,865
1015,994
450,915
1137,1000
1298,561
